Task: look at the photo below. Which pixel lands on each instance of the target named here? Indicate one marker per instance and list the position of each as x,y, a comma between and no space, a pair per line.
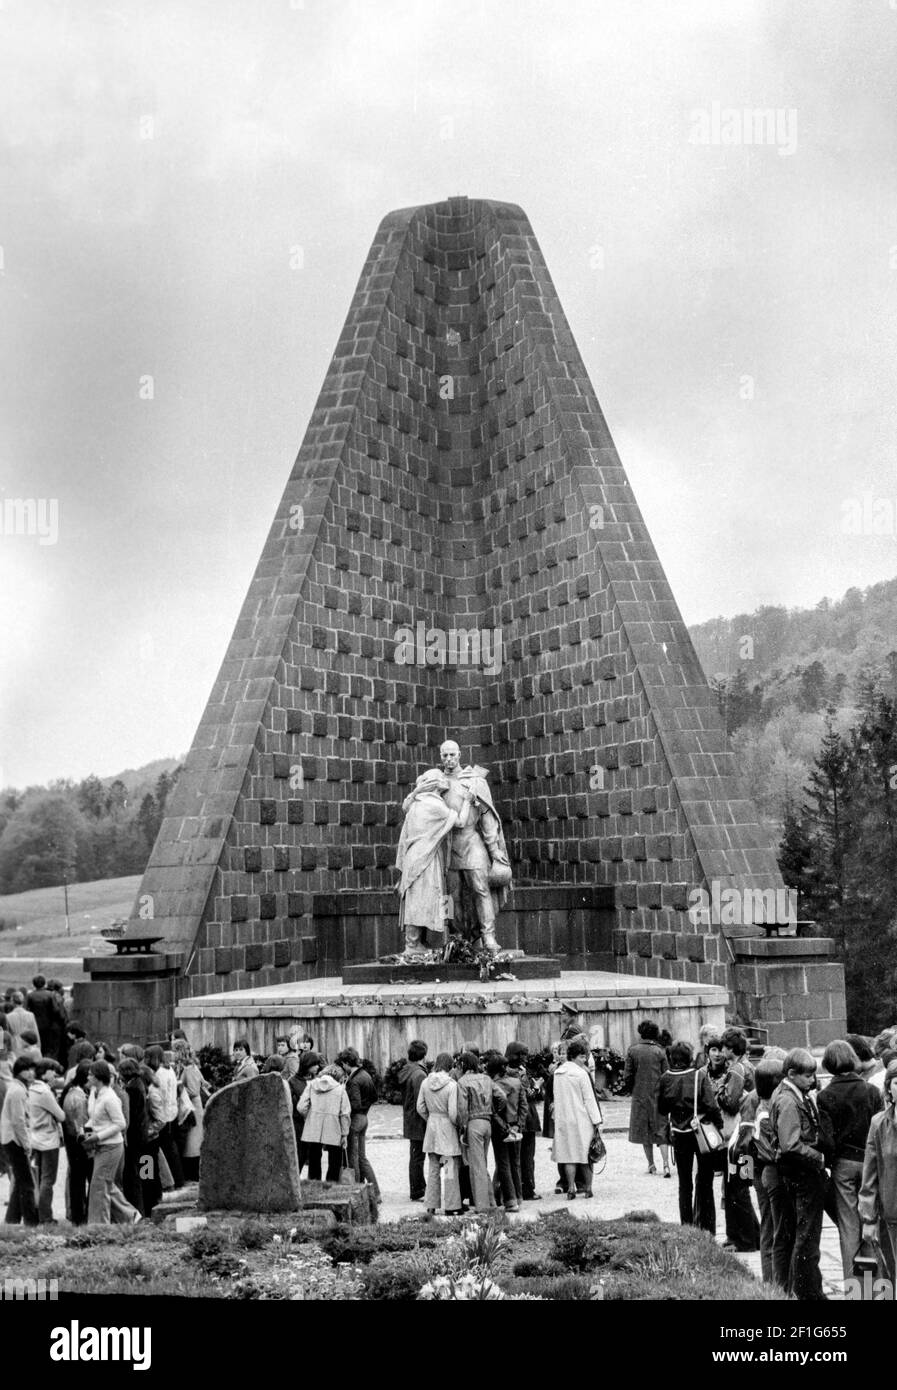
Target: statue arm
490,830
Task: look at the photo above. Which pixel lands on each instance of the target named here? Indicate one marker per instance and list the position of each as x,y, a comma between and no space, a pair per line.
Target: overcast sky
734,302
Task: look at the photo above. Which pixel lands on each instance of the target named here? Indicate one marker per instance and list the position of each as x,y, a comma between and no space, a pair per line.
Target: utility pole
65,886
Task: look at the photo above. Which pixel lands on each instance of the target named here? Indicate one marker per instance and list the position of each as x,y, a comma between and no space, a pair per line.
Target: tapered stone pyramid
457,553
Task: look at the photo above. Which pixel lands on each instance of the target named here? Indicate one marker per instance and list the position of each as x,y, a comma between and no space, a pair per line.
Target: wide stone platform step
377,973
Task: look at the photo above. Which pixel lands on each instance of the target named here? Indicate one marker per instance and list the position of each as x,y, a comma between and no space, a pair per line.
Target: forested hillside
95,829
810,701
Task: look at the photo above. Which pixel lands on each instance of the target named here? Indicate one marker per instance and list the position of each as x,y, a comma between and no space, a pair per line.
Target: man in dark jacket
49,1016
517,1056
362,1094
794,1122
414,1127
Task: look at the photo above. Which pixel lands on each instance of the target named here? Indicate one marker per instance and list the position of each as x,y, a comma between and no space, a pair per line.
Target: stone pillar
130,997
791,986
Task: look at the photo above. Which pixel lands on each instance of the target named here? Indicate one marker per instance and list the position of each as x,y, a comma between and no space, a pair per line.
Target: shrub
132,1267
253,1235
397,1278
204,1244
575,1246
538,1064
215,1065
92,1235
560,1288
360,1244
538,1269
642,1216
222,1266
389,1089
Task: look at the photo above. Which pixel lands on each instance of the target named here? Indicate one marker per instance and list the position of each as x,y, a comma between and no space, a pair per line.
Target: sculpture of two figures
452,857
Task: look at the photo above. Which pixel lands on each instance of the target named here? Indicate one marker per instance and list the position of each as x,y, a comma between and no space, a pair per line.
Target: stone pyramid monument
457,553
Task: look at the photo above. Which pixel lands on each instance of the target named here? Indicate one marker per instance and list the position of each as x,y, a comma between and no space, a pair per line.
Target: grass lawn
35,921
555,1258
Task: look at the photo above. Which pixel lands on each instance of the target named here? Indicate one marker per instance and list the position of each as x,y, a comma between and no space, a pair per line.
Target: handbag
597,1148
186,1114
708,1137
346,1174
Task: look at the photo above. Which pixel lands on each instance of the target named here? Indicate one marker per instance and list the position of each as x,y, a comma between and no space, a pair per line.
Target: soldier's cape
476,779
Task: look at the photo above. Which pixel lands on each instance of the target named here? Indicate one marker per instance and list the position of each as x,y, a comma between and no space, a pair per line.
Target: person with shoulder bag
190,1109
685,1097
577,1118
742,1226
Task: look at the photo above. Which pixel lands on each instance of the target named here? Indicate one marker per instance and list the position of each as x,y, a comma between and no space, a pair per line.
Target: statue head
450,754
429,783
432,781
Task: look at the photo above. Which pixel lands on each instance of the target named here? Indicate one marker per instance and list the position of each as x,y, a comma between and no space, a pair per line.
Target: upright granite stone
457,552
249,1160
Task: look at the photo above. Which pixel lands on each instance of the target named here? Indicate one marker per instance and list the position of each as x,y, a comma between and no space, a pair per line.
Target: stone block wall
792,989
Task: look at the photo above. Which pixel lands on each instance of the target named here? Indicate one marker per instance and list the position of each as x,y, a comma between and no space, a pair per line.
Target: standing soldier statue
479,863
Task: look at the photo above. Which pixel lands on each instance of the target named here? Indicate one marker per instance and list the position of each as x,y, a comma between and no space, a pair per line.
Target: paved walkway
623,1186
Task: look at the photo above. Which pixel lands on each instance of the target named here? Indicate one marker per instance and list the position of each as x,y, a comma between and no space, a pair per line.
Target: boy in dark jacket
507,1134
794,1122
362,1094
414,1127
517,1056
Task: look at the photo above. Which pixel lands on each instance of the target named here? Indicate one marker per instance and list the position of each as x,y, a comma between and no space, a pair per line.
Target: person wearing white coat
437,1103
576,1118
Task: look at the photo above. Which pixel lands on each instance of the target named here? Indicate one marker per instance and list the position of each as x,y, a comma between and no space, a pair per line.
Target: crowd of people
797,1144
129,1118
786,1143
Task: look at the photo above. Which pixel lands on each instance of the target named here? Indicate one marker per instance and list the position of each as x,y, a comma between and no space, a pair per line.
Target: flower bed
557,1258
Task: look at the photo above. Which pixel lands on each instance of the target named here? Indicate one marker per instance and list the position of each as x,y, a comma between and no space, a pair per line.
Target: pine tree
828,792
796,859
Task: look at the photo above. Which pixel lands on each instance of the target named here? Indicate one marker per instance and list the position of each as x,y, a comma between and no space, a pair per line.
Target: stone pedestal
131,996
382,973
792,987
380,1020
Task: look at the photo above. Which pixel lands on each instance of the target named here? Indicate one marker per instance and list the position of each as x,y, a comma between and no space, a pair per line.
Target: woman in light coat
437,1103
190,1081
422,858
327,1113
577,1116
